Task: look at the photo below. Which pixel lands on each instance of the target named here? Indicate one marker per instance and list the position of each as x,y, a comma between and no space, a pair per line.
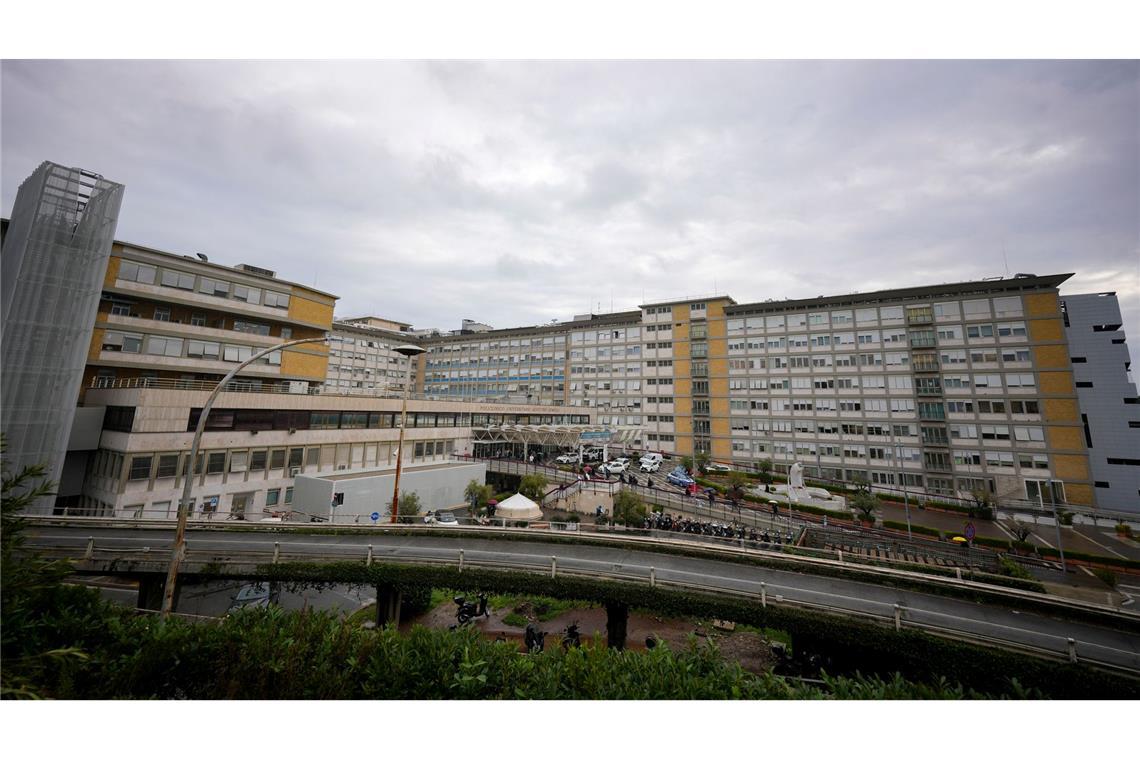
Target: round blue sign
970,531
375,516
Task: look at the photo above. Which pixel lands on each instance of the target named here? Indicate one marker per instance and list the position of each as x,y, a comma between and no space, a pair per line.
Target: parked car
445,518
717,467
679,477
650,465
617,466
567,459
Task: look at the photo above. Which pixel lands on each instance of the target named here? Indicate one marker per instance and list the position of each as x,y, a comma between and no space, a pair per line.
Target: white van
650,462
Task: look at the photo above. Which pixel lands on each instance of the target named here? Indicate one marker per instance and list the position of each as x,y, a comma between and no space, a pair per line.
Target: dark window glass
167,465
295,457
277,459
257,460
216,463
140,468
253,419
353,419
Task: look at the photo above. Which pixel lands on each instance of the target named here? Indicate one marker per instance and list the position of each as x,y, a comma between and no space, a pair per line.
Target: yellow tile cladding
1060,410
1042,305
1056,383
1070,467
1065,438
1079,493
112,273
305,309
310,362
1051,357
1041,330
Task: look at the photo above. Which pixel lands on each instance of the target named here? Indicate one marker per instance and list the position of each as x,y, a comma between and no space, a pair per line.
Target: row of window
1004,306
133,271
270,419
162,345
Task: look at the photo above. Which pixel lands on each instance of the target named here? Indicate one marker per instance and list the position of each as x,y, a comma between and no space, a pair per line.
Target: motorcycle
468,610
572,638
534,639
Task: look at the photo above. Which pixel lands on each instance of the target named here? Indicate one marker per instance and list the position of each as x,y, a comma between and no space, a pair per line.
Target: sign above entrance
595,436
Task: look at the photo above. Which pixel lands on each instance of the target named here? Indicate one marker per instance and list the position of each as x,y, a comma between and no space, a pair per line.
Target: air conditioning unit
294,471
342,466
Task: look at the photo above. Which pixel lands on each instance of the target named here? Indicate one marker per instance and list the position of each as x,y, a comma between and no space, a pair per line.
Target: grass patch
515,619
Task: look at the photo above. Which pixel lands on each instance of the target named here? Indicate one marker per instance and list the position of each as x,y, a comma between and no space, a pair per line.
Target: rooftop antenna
1004,259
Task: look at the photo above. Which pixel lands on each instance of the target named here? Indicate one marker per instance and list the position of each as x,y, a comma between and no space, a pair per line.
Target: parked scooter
468,610
534,639
572,638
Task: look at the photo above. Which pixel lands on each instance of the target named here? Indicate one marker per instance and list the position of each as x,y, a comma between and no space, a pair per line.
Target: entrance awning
562,436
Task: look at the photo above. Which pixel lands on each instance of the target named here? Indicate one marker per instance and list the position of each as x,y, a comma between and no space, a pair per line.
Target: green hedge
894,525
852,645
997,543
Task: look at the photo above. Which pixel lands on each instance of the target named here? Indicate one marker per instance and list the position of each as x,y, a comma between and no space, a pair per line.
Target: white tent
518,507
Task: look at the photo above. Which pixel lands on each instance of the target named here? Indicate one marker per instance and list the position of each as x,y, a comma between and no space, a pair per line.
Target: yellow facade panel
1053,357
112,273
1079,493
306,310
306,364
718,407
1042,305
681,387
96,344
721,448
718,373
1070,467
1056,383
1064,438
681,333
1046,330
681,313
1060,410
718,328
682,425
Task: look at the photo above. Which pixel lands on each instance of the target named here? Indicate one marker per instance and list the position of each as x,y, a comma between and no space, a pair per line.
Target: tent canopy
518,507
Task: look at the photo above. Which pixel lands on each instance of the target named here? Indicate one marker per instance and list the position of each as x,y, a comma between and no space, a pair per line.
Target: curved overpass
1093,633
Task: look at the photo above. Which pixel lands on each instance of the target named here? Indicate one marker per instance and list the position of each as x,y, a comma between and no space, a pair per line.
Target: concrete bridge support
617,620
388,600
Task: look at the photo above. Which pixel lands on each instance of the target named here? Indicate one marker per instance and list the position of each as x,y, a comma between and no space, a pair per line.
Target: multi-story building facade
362,356
947,389
1110,409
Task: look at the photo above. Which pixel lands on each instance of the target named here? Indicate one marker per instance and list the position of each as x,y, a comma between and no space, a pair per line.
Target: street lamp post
179,548
1056,520
407,350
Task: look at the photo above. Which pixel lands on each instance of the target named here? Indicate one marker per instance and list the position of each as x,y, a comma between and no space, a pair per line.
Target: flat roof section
975,287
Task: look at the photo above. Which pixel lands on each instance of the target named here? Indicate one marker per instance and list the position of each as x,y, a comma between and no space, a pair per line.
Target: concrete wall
439,486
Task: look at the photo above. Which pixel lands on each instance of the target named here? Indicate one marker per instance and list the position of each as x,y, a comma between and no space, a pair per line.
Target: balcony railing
926,366
922,316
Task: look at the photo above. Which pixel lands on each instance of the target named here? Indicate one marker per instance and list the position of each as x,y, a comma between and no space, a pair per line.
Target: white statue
796,476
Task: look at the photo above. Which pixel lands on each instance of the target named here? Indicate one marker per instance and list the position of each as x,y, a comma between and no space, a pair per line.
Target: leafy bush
865,503
1007,566
629,509
996,543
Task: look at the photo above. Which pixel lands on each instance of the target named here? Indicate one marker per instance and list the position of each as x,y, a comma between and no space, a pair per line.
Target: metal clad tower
53,264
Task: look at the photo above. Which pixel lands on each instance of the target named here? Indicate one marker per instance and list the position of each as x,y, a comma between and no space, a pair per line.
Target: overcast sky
517,193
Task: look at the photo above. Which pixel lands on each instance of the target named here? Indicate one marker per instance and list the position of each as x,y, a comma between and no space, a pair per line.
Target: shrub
865,503
1124,529
410,505
894,525
629,509
1009,567
997,543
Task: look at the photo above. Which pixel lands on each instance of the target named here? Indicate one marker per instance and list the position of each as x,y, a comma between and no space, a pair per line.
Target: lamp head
409,350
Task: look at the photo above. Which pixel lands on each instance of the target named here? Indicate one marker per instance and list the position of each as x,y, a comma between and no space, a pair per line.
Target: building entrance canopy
562,436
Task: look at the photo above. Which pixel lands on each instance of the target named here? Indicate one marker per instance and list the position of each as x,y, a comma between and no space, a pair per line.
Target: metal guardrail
1068,648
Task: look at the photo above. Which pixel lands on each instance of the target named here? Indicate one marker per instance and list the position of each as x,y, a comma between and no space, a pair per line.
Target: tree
629,509
865,503
478,494
1020,531
765,468
981,502
687,463
533,487
861,485
737,479
409,504
702,460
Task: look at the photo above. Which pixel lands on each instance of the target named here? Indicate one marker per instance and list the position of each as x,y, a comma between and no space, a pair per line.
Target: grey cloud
517,192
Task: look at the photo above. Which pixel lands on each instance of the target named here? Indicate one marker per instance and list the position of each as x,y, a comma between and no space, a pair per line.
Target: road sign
375,516
970,532
595,436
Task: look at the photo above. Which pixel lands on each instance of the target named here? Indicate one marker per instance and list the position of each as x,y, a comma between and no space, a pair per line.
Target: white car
717,467
650,465
567,459
617,466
